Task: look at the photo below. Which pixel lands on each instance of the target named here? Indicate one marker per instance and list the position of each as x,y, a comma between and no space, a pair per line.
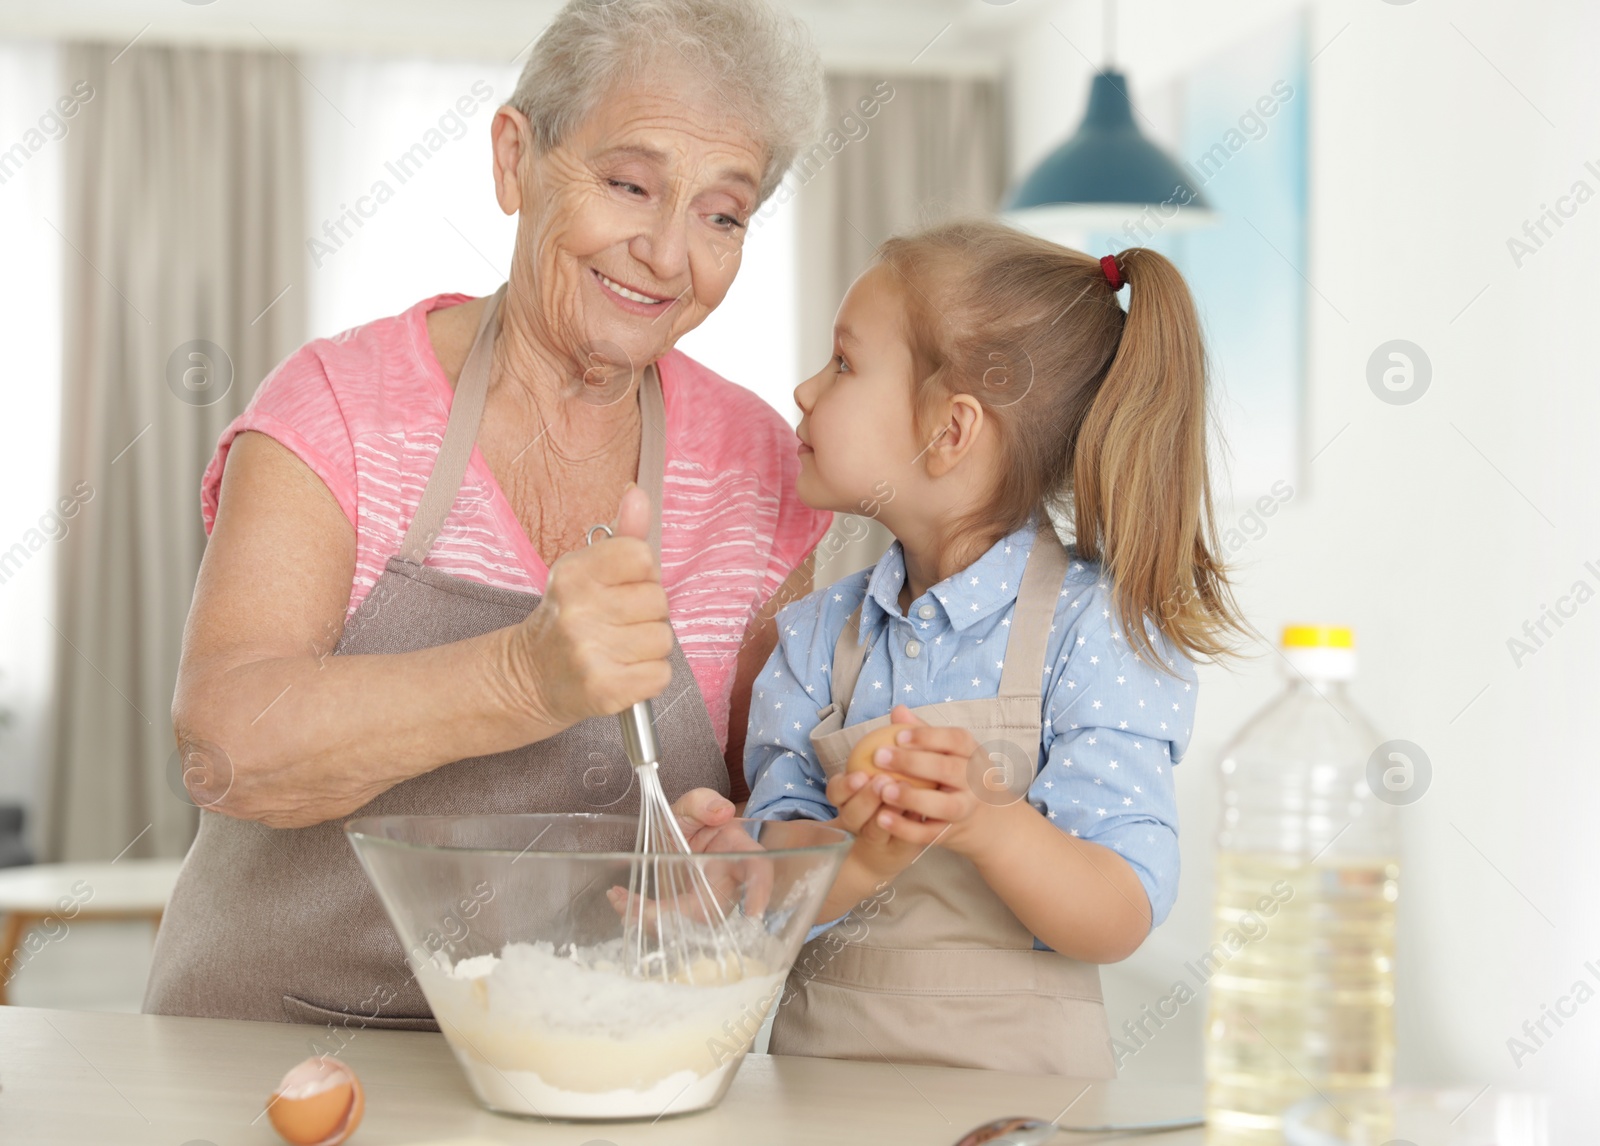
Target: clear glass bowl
514,929
1406,1117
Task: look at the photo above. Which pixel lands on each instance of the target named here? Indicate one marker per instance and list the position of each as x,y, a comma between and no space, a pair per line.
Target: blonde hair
1101,413
758,59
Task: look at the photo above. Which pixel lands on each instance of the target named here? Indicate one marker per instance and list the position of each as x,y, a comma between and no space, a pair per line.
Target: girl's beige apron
281,924
939,970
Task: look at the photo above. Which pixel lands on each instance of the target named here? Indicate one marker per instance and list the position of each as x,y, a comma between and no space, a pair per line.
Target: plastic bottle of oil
1301,967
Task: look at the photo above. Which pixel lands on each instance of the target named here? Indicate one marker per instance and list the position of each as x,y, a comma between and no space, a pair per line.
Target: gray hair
752,54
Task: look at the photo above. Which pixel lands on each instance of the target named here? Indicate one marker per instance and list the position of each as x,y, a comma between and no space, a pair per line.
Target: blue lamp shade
1106,174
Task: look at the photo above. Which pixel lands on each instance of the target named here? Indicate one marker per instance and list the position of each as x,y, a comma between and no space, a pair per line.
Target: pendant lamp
1107,173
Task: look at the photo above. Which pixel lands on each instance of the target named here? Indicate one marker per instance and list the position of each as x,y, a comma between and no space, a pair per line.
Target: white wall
1436,528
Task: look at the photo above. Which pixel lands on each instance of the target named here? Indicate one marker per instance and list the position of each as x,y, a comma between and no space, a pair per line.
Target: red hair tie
1113,272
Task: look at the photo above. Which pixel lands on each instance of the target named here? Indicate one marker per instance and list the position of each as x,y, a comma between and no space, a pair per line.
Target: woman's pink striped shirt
366,411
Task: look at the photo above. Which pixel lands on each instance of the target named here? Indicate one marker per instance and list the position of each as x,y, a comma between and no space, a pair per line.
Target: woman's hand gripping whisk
676,916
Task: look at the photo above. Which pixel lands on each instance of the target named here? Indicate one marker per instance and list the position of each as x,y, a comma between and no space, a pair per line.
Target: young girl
979,379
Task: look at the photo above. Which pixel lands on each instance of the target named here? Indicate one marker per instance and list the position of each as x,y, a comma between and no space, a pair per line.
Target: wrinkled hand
600,639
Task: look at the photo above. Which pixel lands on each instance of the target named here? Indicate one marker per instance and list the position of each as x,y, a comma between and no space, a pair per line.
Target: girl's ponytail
1141,493
1101,414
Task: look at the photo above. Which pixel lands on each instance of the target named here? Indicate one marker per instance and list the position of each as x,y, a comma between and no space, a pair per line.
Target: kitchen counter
86,1077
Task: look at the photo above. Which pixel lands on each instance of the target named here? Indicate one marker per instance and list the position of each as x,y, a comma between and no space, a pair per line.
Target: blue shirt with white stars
1113,726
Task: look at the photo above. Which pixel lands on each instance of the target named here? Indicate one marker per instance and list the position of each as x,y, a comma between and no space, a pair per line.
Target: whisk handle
639,734
638,722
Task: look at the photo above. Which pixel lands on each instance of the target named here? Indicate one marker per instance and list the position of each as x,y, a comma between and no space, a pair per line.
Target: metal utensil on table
674,922
1017,1131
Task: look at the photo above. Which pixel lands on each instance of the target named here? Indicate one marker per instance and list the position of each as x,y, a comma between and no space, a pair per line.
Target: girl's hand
952,815
703,813
859,799
707,819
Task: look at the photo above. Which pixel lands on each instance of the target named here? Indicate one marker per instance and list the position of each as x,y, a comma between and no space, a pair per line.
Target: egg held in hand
861,756
318,1103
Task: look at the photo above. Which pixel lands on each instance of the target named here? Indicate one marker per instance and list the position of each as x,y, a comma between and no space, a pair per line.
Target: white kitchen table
68,894
71,1077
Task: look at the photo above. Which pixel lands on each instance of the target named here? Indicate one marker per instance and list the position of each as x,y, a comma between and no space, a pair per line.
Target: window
31,83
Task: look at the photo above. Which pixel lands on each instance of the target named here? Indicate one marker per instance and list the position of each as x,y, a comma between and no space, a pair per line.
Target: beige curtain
183,216
934,148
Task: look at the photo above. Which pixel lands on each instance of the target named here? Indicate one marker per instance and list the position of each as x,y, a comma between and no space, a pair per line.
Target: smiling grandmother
399,611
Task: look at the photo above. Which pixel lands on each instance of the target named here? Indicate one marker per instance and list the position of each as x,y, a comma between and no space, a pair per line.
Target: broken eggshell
318,1103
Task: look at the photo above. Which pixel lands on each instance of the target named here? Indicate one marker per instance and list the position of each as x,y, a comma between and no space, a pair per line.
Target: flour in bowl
570,1035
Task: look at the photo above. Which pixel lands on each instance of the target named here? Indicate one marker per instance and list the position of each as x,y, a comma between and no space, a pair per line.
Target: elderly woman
398,610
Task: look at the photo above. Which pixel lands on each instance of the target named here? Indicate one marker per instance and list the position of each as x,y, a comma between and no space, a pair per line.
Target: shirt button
913,648
926,612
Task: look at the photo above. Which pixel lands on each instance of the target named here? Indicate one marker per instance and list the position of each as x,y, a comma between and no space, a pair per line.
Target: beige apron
937,970
281,924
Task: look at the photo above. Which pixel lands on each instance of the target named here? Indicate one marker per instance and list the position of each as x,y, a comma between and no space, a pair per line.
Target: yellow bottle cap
1318,637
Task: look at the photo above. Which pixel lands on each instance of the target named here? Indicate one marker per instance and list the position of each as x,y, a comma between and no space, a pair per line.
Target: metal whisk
674,927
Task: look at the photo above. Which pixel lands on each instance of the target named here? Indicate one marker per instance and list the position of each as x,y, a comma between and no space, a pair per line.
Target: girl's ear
956,437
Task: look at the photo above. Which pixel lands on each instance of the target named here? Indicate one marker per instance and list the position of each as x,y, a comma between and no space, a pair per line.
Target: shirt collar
979,591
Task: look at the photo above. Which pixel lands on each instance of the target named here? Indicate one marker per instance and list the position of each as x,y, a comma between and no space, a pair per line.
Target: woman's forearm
274,728
1081,899
304,739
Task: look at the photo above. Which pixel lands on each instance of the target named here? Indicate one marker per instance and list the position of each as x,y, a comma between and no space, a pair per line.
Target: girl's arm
877,857
858,881
787,781
760,638
1092,906
1081,899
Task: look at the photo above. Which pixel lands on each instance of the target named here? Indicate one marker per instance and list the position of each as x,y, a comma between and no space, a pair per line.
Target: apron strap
848,657
461,434
1026,646
1029,642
